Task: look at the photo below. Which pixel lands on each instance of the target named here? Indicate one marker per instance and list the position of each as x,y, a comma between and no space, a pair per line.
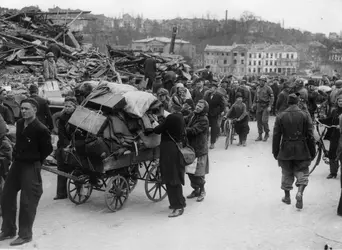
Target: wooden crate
107,102
88,120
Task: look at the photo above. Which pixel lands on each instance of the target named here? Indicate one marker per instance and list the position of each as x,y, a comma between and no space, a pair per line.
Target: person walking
64,139
263,101
294,148
281,104
172,172
150,70
197,133
199,91
217,105
43,112
33,145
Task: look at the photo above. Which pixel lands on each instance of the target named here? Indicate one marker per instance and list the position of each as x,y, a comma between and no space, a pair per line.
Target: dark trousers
290,170
333,166
149,83
339,208
262,116
25,177
197,182
61,166
175,195
214,129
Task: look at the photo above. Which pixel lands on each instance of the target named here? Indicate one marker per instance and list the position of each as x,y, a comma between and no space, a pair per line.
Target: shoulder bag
187,152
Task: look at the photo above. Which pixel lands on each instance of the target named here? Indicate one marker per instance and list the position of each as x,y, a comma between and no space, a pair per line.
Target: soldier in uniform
293,147
263,102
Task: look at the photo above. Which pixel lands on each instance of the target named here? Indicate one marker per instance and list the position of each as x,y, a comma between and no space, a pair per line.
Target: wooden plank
73,39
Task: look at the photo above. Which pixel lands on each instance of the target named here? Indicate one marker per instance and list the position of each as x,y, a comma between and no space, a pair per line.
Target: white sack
138,102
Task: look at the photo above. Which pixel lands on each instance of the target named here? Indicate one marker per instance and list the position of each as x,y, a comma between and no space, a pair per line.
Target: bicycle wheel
232,135
228,134
315,162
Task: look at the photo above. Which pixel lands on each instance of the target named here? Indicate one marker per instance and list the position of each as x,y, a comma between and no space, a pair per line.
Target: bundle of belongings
112,121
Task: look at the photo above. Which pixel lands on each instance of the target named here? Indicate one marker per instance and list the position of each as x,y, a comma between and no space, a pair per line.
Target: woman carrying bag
171,165
197,134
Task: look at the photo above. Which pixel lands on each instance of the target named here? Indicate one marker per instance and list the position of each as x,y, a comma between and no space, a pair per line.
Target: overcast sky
313,15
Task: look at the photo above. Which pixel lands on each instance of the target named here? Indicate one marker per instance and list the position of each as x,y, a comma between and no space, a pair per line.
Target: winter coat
281,104
172,172
246,96
197,132
216,103
43,113
198,95
150,68
334,137
290,130
6,114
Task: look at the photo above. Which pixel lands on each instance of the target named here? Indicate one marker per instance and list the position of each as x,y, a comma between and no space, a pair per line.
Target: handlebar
327,126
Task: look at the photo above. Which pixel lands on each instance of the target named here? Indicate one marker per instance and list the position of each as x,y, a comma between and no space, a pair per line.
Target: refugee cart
115,153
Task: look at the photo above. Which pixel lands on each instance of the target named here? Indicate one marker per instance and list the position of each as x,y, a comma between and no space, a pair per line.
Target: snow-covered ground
242,210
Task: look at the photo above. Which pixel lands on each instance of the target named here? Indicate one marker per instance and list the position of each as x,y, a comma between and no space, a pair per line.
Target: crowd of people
197,109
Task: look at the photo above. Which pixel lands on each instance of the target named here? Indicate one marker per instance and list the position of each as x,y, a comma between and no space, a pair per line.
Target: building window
266,55
271,55
223,54
270,70
271,63
259,63
254,55
266,63
250,63
235,54
253,70
287,56
249,70
208,54
225,62
292,56
242,54
254,63
235,61
242,70
242,61
227,54
259,55
250,55
275,63
266,70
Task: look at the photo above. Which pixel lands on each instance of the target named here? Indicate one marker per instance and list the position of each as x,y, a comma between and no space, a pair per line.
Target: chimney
226,16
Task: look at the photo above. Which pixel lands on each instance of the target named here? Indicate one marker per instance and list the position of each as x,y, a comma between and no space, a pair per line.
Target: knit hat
293,98
33,88
31,101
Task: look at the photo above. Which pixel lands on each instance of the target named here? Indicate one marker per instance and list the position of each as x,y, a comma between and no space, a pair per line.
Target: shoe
266,137
331,176
193,194
4,236
201,197
239,144
286,200
244,144
20,241
299,198
176,212
171,207
60,197
259,138
212,146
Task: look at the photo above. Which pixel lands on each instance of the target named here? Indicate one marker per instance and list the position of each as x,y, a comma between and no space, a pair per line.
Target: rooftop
214,48
160,39
280,48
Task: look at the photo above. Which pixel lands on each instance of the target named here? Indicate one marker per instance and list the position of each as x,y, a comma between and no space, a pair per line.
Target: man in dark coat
4,111
33,145
169,79
197,133
283,96
293,147
217,105
207,75
275,88
150,69
43,113
54,48
199,91
245,94
263,101
172,172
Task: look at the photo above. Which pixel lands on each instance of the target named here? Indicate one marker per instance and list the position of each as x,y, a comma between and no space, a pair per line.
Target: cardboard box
107,102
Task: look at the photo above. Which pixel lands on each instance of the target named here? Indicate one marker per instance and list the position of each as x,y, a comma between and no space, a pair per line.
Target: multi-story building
335,55
162,45
242,59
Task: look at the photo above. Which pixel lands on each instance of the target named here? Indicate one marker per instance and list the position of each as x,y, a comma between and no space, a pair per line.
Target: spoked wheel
79,191
232,135
116,193
228,134
133,177
154,188
315,162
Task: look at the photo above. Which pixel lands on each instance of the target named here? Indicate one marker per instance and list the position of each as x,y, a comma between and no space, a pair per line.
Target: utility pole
173,39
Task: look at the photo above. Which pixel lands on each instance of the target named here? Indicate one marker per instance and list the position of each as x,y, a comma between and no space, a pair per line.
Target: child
238,113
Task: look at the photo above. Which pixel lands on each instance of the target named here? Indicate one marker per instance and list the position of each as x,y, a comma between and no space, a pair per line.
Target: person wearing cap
275,88
5,155
169,79
245,94
5,112
334,93
43,112
54,48
199,91
64,138
263,101
238,113
314,96
217,105
207,74
282,104
33,145
157,84
164,98
49,67
334,137
293,147
304,95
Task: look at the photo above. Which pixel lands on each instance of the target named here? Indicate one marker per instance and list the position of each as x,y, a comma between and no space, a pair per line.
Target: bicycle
229,131
322,152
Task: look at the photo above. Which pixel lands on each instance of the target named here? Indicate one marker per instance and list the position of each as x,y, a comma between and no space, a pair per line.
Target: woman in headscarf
172,172
197,133
164,98
64,139
180,98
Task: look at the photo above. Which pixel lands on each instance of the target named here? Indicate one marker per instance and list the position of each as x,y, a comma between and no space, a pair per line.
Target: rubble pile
24,39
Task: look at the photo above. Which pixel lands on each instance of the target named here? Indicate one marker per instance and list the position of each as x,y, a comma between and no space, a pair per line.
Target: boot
266,137
201,196
194,194
287,198
299,197
259,138
244,143
240,141
212,146
331,176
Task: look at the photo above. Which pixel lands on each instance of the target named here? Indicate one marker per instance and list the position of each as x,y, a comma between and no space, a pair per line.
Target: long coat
290,130
217,103
172,172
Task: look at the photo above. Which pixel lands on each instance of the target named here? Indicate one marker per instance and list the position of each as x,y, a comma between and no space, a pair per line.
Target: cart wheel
133,178
79,191
116,193
154,188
